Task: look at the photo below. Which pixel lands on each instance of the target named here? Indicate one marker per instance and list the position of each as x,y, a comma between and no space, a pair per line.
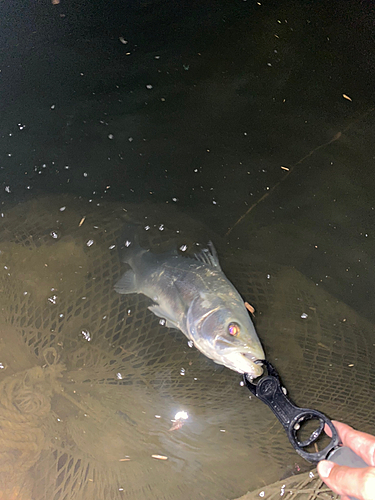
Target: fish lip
240,356
258,368
244,363
252,358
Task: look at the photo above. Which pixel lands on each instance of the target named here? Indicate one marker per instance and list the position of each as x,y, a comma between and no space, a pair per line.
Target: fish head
225,334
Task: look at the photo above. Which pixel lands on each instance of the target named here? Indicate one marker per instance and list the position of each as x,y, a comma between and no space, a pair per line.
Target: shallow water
198,111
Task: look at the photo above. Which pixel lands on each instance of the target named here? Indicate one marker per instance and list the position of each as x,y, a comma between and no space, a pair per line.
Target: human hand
347,481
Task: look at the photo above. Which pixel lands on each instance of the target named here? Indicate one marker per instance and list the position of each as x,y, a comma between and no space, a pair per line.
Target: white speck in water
86,335
119,376
149,86
261,494
62,209
195,378
110,136
147,228
25,293
129,312
52,299
183,248
54,234
162,322
282,490
161,227
53,106
90,243
222,430
7,189
112,247
130,139
304,316
2,366
311,475
174,199
268,276
242,383
85,174
157,416
128,243
61,315
182,371
190,343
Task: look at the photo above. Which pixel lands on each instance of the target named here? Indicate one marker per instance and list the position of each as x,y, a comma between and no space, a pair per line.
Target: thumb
359,483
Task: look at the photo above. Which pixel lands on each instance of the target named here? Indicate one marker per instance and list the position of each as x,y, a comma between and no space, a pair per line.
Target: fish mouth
244,362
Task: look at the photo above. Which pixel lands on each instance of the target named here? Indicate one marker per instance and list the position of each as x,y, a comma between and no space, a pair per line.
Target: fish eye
234,329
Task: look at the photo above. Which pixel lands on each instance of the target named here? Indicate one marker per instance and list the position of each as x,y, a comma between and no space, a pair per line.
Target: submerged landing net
306,486
90,380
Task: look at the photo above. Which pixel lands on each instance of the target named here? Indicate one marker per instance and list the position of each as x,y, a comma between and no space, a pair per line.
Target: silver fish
193,295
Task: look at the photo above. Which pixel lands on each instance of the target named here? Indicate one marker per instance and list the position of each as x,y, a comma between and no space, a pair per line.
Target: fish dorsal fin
208,256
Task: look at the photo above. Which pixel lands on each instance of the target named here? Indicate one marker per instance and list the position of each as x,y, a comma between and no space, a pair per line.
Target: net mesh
90,380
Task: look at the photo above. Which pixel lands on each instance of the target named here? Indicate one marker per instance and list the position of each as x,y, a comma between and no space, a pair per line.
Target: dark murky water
202,103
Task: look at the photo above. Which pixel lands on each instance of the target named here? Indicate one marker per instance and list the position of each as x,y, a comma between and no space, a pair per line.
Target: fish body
194,296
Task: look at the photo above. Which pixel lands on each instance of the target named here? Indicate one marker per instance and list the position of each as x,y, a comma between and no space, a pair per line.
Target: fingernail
324,468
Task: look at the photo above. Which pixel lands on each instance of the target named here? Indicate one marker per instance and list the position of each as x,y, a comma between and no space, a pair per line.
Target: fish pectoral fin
160,313
127,283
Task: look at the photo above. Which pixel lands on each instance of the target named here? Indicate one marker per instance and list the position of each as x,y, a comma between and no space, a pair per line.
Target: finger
359,483
327,430
361,443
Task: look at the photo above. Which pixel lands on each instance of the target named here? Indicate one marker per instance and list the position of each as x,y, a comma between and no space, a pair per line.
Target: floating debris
176,425
250,308
159,457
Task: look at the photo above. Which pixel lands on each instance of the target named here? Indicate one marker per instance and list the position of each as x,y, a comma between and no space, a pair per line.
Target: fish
193,295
